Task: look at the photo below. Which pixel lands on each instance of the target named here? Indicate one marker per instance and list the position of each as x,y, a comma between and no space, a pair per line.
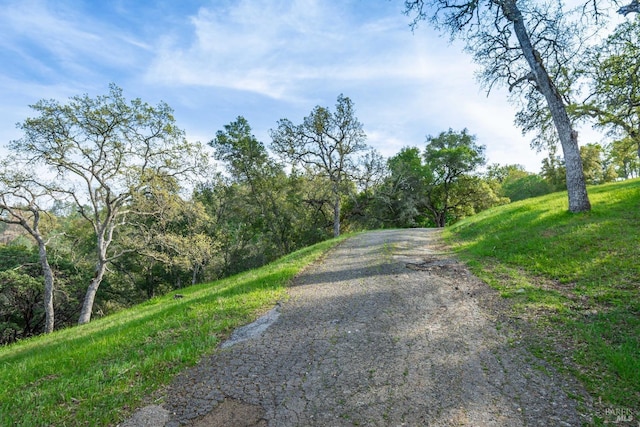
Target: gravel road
387,330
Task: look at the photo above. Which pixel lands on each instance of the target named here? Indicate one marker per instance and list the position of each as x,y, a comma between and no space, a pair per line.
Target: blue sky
212,61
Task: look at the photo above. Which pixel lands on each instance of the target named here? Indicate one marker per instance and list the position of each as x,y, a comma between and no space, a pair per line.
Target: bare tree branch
633,7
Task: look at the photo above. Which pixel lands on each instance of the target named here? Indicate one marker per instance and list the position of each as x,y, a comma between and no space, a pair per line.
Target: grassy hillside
575,277
98,373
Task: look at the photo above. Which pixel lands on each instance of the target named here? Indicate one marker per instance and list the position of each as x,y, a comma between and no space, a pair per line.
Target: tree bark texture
101,268
336,216
47,272
90,296
48,288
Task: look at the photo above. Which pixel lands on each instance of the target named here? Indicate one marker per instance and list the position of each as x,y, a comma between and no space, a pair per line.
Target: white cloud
277,48
263,59
51,37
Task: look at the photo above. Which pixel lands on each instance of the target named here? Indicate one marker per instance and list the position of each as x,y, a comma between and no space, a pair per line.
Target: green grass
99,373
575,277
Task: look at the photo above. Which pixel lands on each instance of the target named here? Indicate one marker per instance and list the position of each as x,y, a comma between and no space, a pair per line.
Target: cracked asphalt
387,330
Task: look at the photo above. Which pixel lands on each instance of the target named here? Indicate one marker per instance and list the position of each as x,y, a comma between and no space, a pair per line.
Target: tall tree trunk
194,275
48,288
47,272
336,216
576,185
90,296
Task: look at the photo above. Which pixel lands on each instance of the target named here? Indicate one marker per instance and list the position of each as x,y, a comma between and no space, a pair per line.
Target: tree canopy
525,48
441,183
613,70
103,151
118,217
325,143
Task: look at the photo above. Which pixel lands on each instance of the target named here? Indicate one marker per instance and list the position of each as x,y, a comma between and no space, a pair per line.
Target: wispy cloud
277,48
55,40
263,59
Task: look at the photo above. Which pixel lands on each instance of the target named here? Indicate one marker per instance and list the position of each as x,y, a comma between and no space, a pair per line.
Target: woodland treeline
104,202
185,220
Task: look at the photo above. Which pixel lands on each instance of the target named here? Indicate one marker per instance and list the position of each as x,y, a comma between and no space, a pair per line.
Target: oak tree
525,47
248,163
23,201
326,143
451,157
103,151
439,184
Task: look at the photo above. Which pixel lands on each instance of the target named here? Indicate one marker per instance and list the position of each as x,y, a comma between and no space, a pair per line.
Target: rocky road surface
387,330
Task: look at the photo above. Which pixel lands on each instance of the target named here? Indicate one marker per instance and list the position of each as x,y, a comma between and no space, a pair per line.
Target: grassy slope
575,277
96,374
